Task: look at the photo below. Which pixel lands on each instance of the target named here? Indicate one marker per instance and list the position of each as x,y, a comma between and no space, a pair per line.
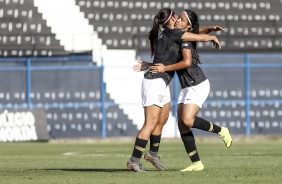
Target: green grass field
257,162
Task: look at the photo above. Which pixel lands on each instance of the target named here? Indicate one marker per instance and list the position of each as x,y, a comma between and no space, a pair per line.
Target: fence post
103,92
247,94
28,82
175,100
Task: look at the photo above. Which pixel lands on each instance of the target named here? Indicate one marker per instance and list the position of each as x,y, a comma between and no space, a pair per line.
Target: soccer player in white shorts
165,44
195,89
195,94
155,92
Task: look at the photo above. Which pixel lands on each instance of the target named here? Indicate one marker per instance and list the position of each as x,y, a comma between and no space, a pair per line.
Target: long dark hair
193,17
161,18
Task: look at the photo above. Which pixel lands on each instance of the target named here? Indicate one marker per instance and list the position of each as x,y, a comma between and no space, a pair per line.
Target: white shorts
155,92
195,94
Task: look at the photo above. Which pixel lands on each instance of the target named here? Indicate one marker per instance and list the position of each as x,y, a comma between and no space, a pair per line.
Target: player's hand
216,43
216,28
137,67
141,66
157,68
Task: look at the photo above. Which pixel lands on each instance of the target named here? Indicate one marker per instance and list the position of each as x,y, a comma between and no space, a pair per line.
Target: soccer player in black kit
195,88
165,46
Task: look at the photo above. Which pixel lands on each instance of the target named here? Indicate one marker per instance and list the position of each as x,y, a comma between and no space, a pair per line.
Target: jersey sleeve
177,34
187,45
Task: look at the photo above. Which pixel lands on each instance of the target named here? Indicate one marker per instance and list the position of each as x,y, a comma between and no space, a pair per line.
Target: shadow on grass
87,170
97,170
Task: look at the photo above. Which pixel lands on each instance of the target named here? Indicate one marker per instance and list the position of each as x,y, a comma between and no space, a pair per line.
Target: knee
188,121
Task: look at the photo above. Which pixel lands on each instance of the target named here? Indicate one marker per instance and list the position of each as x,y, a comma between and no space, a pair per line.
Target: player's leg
152,114
155,139
189,143
191,120
153,98
195,97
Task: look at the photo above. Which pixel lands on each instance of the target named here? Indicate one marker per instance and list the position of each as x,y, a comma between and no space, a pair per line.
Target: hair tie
168,18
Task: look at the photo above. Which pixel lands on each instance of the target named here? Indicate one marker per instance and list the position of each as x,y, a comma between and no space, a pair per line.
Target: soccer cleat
155,160
136,167
195,166
226,137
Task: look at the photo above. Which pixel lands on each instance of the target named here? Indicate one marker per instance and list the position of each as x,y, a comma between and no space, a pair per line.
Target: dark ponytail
161,18
153,34
193,17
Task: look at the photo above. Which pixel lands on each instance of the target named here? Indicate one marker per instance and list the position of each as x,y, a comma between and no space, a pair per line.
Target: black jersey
167,52
192,75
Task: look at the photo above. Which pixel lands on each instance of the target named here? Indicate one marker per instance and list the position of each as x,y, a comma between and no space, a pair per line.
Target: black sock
205,125
190,146
139,147
155,143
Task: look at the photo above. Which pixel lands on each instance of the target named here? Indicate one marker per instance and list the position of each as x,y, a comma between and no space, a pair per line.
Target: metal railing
247,65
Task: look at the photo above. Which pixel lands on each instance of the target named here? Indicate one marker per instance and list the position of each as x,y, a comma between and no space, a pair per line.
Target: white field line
80,154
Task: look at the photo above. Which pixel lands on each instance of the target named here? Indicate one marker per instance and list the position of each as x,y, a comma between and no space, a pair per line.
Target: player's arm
207,30
201,38
141,66
185,63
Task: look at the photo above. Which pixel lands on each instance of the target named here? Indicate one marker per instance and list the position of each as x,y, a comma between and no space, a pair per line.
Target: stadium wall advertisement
23,125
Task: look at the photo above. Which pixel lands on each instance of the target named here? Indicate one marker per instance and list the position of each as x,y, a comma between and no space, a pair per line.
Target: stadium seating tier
124,24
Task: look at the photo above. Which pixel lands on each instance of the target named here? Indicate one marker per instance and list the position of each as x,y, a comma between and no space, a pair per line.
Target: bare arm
206,30
185,63
201,38
191,37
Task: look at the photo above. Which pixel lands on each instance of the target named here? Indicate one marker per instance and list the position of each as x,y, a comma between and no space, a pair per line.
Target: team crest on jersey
161,98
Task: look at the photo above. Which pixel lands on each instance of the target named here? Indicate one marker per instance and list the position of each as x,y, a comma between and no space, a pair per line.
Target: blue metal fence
247,65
